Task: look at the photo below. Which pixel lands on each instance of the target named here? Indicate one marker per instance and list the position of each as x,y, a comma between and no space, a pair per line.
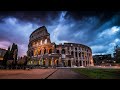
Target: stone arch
76,48
64,64
50,51
50,64
83,63
69,63
80,63
41,42
72,53
31,52
44,62
45,42
57,51
63,51
35,52
57,62
76,62
76,54
68,52
39,53
44,51
79,54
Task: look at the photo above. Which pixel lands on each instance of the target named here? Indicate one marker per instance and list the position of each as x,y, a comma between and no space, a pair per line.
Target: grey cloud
80,27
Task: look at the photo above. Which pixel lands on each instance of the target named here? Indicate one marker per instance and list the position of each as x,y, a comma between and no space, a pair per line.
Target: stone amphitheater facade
44,53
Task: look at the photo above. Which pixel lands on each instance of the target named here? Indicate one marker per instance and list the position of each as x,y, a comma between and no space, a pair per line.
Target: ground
63,73
40,74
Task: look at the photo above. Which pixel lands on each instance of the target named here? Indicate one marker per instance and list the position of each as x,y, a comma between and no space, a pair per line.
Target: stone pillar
70,50
88,62
79,62
78,56
67,63
38,62
71,63
52,64
59,51
47,62
81,55
66,51
82,62
74,53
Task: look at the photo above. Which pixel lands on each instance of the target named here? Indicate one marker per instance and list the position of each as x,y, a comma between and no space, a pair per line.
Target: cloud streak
99,30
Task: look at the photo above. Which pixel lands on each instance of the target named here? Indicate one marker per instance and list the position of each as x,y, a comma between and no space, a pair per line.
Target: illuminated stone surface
40,49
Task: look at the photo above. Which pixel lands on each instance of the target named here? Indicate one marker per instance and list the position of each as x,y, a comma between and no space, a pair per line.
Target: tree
11,54
6,56
14,53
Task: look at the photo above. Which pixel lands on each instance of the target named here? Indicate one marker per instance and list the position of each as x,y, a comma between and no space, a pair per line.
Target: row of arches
82,63
50,62
39,52
40,42
45,62
80,54
45,51
49,51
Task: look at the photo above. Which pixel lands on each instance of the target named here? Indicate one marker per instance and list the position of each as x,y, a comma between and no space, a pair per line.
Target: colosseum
43,52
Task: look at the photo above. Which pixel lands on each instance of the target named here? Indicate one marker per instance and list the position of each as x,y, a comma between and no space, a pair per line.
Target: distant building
117,54
99,59
43,52
2,53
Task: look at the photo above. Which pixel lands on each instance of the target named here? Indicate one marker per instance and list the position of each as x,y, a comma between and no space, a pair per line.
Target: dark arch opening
39,52
83,63
57,51
31,53
45,51
80,54
75,48
72,53
76,62
69,63
43,62
63,51
49,62
50,51
76,54
80,63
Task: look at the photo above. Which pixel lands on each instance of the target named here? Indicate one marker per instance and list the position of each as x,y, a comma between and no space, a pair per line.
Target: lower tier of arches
59,63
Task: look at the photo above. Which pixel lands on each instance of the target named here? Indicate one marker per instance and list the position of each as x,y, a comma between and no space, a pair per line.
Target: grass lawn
96,73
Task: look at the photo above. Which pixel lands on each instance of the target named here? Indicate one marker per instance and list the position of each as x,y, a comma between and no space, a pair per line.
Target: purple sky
98,30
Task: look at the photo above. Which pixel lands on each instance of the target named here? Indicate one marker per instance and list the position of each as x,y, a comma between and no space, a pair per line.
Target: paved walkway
26,74
40,74
66,74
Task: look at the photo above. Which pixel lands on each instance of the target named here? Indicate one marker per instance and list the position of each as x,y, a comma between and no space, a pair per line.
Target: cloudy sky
99,30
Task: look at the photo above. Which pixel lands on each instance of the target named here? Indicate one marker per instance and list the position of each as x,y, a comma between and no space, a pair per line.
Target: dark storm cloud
99,30
17,26
39,17
11,30
87,29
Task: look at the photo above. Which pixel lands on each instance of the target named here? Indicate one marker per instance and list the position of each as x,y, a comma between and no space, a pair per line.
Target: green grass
96,73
